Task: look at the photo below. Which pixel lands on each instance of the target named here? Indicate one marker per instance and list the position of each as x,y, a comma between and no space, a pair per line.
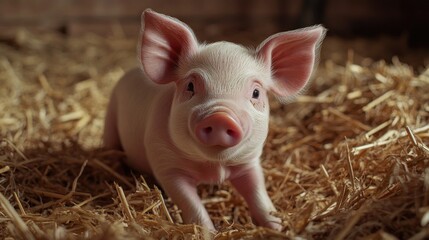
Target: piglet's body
199,113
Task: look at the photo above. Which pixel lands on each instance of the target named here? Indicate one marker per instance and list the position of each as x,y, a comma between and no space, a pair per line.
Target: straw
349,159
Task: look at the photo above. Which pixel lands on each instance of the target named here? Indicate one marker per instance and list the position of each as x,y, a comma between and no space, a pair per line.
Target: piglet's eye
190,87
255,94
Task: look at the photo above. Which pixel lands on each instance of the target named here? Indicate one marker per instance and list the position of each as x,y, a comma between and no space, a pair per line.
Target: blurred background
378,29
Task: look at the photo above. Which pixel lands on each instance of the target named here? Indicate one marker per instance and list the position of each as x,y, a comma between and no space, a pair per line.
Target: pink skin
199,113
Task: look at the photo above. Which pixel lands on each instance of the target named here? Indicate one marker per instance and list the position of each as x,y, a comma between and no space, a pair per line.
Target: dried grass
348,160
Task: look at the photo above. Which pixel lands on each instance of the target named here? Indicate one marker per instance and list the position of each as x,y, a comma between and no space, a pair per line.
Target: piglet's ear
164,41
292,56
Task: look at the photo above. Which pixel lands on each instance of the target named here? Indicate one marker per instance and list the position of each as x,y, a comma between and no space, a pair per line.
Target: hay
347,160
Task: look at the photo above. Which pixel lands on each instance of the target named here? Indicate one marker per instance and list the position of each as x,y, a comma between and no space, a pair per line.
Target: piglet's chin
225,156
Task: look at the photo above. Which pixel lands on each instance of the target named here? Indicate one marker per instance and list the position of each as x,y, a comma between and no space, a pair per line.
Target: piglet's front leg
249,182
183,192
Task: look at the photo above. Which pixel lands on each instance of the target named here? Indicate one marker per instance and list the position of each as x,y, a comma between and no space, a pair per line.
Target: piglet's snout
219,129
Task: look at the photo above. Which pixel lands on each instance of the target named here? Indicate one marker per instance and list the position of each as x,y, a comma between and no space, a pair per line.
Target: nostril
230,132
208,130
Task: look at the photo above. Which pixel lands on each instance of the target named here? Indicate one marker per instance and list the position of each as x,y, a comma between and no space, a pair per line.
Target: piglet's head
220,111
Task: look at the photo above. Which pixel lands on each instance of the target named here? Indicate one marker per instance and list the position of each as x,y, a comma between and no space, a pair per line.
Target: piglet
198,113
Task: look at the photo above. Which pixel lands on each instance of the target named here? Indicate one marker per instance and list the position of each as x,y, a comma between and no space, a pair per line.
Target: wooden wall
211,18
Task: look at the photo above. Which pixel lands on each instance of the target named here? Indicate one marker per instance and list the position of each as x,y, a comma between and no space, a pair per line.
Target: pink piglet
198,113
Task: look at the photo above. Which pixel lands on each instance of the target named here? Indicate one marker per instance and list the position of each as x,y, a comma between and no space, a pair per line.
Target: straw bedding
349,159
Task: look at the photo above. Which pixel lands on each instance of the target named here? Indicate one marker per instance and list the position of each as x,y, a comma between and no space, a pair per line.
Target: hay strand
21,227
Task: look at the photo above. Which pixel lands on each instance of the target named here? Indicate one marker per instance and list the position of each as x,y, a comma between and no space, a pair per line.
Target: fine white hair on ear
163,42
292,57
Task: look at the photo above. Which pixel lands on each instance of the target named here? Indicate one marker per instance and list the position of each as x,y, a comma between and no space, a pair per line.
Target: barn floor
349,159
